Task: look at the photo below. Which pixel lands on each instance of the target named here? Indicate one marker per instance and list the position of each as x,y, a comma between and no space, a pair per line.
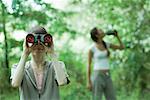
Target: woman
36,78
101,82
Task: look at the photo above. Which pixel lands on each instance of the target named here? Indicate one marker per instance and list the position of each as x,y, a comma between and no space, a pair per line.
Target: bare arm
89,68
120,46
18,75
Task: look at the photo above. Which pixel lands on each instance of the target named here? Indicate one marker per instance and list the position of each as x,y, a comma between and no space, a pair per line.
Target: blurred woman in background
101,81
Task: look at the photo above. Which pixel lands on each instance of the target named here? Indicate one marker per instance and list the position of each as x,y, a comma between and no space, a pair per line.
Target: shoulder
92,48
107,44
49,64
52,63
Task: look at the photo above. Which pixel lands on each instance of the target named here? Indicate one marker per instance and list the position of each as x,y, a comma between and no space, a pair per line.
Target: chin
37,52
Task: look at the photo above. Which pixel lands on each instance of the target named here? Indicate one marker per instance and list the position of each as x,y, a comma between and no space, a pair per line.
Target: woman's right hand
26,50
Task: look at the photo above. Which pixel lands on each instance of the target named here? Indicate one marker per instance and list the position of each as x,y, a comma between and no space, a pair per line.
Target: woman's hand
115,33
26,50
121,46
49,50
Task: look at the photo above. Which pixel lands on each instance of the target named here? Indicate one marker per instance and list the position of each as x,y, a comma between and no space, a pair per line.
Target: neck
38,61
100,41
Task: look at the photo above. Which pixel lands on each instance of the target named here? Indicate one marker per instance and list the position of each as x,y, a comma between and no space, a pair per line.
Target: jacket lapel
46,68
31,76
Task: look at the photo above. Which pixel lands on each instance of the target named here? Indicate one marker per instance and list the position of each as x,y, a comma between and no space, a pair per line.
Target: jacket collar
31,75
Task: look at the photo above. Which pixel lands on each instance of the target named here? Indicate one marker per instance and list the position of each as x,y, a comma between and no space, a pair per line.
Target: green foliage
130,18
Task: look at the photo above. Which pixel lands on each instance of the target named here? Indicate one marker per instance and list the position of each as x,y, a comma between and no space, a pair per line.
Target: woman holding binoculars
36,78
101,81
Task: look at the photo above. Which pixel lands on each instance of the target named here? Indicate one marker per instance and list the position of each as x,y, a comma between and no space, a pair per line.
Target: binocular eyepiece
31,39
111,32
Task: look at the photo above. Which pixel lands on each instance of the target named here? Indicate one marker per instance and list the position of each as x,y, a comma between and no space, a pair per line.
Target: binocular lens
30,38
47,39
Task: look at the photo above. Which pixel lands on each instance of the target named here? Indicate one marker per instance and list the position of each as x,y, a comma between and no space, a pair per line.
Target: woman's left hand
49,50
115,33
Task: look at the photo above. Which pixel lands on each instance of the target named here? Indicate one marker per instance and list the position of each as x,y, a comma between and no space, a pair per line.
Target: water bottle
111,32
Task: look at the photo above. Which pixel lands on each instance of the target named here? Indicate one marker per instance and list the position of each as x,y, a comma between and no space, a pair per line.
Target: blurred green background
70,22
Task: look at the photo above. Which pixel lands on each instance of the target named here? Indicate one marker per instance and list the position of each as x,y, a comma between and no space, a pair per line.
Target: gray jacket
28,89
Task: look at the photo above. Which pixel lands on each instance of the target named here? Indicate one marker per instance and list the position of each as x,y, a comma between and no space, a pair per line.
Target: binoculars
111,32
31,39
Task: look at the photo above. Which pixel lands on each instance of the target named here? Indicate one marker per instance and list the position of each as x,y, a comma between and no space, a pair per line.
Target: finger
49,48
44,46
24,44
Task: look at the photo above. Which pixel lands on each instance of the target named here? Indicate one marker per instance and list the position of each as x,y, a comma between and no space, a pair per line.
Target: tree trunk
5,35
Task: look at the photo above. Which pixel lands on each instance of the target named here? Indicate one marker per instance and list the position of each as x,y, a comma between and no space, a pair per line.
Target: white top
100,58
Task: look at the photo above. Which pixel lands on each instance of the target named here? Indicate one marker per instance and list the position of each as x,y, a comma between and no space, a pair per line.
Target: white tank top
100,58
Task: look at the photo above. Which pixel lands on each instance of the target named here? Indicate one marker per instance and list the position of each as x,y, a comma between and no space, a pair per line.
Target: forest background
70,22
